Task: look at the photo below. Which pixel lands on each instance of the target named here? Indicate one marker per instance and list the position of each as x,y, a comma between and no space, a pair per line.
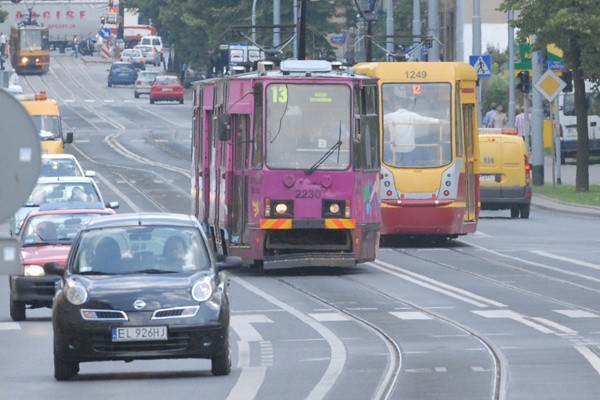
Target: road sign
10,256
482,64
104,32
550,85
20,155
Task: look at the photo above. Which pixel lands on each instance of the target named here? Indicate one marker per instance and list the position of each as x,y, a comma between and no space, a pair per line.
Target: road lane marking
9,326
337,358
590,356
329,317
566,259
555,325
437,286
577,313
508,314
242,325
410,315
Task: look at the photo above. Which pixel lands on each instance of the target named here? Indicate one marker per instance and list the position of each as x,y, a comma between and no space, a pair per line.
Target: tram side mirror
224,127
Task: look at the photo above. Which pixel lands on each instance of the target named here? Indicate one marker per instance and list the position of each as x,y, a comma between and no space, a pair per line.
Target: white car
135,57
63,165
69,191
144,82
155,41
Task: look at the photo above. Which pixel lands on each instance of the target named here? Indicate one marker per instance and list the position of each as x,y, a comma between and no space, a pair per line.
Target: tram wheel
256,267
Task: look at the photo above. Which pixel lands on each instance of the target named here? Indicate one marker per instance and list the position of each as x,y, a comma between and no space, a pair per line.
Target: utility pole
434,31
416,28
537,117
302,31
459,52
511,70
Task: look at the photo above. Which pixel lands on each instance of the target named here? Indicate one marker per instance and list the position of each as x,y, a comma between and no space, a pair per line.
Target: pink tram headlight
336,209
279,208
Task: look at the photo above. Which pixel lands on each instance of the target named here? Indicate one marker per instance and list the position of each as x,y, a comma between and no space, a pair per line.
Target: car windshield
131,53
123,67
148,76
60,167
167,80
59,192
53,228
48,126
140,250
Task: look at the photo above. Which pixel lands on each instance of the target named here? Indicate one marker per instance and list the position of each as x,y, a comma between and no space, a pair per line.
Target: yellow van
46,117
504,172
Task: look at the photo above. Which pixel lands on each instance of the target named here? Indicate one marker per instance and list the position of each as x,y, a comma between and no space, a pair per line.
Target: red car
166,88
46,236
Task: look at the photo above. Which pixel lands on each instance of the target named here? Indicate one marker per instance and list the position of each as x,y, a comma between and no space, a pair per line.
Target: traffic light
524,85
567,76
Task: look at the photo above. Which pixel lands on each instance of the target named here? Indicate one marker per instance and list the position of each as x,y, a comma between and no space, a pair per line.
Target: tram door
239,183
468,126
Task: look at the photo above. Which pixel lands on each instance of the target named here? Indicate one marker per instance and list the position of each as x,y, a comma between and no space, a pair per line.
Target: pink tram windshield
307,126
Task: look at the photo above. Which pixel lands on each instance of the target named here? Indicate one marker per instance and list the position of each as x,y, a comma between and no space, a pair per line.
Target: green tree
197,27
574,26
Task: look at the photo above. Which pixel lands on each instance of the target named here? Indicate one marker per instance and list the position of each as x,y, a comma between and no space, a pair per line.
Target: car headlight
33,270
202,290
76,293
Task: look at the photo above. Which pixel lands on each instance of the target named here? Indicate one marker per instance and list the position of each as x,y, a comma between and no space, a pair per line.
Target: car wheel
221,363
524,209
64,369
514,212
109,84
137,95
151,101
181,101
17,310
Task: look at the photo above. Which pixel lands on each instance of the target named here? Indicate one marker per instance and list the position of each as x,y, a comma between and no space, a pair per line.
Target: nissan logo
139,304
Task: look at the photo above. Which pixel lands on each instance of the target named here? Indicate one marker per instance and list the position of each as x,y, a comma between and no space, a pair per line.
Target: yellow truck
46,117
504,173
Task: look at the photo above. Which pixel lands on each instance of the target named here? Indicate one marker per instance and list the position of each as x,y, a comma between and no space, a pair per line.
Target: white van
155,41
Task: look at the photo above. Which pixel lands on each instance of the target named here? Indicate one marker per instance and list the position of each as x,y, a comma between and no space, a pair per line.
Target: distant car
155,41
65,190
46,237
141,286
63,165
144,82
151,54
122,73
134,56
166,88
190,76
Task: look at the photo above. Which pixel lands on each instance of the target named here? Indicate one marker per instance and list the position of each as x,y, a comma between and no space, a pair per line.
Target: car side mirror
69,138
229,262
224,127
112,204
53,268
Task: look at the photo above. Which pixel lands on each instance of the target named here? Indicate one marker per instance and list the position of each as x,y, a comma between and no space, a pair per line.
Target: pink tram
286,165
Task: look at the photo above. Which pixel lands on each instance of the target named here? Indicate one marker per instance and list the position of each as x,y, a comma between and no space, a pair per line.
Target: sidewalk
567,177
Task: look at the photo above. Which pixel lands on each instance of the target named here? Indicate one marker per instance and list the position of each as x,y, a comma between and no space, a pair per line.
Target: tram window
459,125
370,143
257,140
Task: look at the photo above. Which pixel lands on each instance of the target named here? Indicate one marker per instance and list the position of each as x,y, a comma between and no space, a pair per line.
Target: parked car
166,88
63,165
134,56
122,73
46,237
144,82
151,55
66,190
141,286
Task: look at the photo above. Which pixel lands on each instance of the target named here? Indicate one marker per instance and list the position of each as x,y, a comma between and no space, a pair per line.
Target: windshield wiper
321,160
154,271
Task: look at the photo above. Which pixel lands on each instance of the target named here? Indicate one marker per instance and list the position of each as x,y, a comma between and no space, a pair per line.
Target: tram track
512,267
385,389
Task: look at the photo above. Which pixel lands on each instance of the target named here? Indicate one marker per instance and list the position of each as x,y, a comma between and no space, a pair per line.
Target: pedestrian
488,119
520,123
75,46
2,50
500,118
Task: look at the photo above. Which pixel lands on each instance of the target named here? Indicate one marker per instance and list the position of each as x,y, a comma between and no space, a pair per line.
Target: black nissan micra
138,287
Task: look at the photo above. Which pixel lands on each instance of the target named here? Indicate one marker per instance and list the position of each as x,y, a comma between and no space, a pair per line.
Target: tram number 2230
308,194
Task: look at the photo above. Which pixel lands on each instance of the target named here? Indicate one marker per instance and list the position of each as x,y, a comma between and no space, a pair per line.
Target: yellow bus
46,117
429,148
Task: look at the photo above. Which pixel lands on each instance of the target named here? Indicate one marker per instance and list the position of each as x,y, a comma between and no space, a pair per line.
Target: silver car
151,55
143,82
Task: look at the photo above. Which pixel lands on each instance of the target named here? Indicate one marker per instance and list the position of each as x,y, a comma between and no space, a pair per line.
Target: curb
547,203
